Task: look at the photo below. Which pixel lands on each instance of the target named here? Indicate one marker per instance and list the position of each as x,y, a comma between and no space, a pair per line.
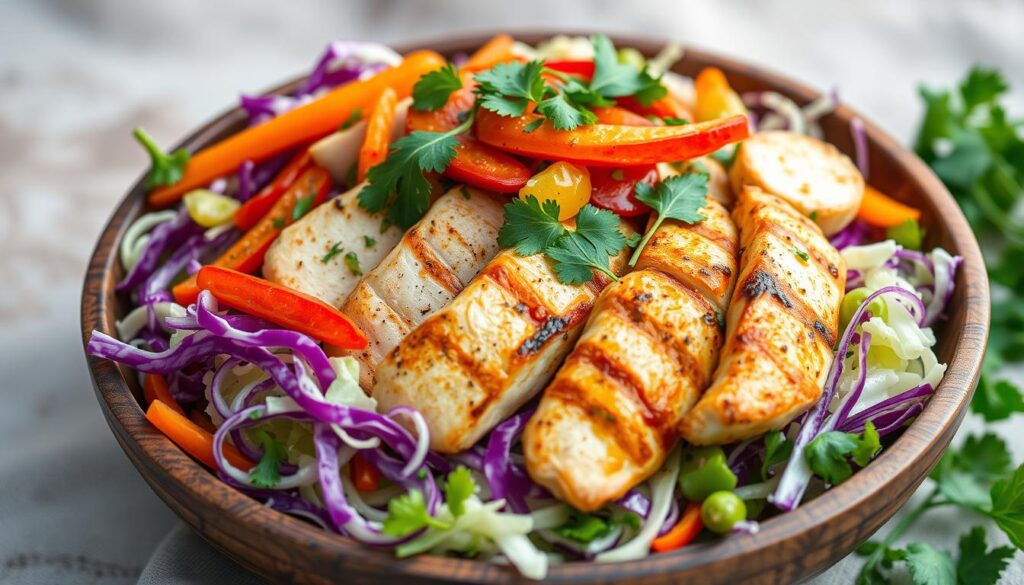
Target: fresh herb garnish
302,206
352,261
680,197
334,251
801,254
584,527
533,125
353,118
266,473
398,184
675,121
433,89
280,222
776,450
165,169
369,242
532,227
613,78
508,88
827,454
408,513
458,487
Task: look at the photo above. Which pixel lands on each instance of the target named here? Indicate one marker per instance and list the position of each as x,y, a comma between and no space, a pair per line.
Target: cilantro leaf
334,251
929,566
584,527
352,261
986,458
266,473
398,183
408,513
982,86
353,118
777,450
615,79
433,89
827,454
564,114
165,169
601,228
680,197
868,445
976,564
458,487
369,242
996,400
530,226
1008,506
965,490
576,258
302,206
508,88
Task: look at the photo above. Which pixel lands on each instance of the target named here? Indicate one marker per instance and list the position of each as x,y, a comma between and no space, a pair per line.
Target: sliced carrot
365,476
191,437
494,51
253,210
281,305
688,527
154,387
378,133
246,255
880,210
302,125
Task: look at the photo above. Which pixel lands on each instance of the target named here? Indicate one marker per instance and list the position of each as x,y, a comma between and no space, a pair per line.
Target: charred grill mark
436,268
549,328
826,335
760,282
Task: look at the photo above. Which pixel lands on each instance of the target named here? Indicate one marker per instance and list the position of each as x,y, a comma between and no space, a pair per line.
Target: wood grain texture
789,548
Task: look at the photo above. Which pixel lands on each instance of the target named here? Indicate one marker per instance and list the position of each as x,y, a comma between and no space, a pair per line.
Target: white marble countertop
75,77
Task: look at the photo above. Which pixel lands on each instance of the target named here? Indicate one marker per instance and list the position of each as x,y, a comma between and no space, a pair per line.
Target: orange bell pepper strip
302,125
364,475
253,210
193,439
715,97
281,305
620,116
608,144
882,211
497,50
475,164
688,527
378,134
154,387
246,255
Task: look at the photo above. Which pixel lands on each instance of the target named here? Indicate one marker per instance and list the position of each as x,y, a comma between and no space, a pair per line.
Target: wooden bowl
790,547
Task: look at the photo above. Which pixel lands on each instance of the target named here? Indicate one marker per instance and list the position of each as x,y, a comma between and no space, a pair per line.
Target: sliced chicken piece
475,362
339,152
296,258
781,325
435,260
609,418
813,176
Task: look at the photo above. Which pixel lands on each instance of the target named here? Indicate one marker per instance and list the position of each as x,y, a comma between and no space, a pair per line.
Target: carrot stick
191,438
378,133
880,210
246,255
299,126
154,387
494,51
688,527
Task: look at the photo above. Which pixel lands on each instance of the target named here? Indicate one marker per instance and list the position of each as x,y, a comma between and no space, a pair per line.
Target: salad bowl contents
516,309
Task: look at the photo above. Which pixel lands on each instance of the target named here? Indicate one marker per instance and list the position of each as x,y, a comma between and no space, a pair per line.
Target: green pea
721,511
703,472
854,299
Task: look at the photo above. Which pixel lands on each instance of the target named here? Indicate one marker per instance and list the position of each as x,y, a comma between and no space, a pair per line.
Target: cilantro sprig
433,89
532,227
827,455
166,168
408,513
680,197
266,473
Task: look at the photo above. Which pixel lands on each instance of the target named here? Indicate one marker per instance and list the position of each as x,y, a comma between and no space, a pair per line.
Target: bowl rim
924,440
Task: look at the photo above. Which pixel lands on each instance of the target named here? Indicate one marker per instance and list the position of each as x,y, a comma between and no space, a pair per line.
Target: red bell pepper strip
281,305
302,125
246,255
688,527
614,189
253,210
608,144
582,67
364,475
475,164
192,438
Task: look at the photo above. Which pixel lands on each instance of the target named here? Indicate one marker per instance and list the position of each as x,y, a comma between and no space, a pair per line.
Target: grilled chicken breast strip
434,261
475,362
610,416
781,325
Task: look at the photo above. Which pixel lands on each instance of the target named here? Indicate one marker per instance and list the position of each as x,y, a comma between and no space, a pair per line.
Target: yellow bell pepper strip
880,210
715,97
295,127
608,144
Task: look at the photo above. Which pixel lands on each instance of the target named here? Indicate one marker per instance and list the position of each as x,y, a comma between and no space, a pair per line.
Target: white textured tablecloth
75,77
